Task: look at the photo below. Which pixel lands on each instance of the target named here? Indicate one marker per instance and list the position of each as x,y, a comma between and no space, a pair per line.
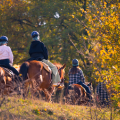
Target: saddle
8,72
46,67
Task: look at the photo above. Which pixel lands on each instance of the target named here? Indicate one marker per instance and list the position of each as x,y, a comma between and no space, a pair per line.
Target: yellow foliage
105,26
72,16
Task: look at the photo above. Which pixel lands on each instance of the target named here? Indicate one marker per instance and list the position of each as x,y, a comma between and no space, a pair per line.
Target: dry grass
16,108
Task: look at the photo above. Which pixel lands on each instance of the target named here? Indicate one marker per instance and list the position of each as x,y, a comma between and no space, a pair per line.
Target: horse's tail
24,69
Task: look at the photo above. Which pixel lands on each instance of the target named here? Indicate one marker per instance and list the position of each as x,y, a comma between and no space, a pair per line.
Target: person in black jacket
38,51
37,48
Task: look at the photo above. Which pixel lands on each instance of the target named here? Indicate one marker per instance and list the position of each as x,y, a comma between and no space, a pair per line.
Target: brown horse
7,84
37,75
61,71
77,94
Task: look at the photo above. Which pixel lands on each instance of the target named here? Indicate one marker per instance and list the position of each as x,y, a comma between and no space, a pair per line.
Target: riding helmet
3,39
34,34
75,62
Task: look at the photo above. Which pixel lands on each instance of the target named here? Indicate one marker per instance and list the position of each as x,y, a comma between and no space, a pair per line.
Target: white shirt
6,53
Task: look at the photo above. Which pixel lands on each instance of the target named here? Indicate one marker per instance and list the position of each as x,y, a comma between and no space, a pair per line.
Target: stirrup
61,86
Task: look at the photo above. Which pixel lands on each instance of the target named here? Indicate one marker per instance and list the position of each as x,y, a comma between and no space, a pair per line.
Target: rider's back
38,49
6,53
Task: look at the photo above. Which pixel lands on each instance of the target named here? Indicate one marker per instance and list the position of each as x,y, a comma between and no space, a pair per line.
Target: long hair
74,69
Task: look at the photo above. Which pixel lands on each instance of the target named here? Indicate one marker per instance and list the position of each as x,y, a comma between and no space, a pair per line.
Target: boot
55,84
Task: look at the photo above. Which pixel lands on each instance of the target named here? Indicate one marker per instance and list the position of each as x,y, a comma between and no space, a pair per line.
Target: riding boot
89,96
56,84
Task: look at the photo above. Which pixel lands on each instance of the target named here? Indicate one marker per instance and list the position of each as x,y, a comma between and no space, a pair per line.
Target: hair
36,38
74,69
2,43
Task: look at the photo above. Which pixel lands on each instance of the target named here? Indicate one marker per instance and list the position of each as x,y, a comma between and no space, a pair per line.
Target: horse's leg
48,93
77,94
51,90
25,88
47,96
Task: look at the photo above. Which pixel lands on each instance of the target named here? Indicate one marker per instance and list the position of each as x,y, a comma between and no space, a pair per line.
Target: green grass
14,108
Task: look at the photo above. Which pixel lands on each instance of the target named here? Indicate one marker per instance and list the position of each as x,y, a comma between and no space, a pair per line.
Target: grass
16,108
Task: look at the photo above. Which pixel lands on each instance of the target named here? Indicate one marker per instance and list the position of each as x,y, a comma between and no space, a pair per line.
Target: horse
37,76
58,94
77,94
61,71
8,84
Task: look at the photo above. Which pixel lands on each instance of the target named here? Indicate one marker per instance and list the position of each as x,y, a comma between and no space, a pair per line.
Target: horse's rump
6,74
78,88
35,72
6,83
78,94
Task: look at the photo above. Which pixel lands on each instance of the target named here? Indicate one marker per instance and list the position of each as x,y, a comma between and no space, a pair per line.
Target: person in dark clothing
38,51
37,48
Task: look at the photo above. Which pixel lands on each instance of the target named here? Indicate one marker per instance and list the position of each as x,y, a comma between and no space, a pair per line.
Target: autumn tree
15,24
103,28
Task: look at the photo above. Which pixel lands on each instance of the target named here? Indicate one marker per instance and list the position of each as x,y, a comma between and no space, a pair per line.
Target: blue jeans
5,63
84,86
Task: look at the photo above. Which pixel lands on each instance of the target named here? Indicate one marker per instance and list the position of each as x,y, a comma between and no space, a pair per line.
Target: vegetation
84,29
29,109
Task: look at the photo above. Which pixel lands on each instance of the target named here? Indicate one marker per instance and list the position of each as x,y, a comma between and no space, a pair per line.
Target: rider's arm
70,78
10,55
82,79
45,53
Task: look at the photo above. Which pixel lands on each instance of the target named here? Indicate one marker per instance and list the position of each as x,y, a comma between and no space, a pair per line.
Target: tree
103,28
15,23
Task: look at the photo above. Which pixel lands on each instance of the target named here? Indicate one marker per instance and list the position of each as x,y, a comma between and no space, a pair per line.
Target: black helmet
34,34
75,62
3,39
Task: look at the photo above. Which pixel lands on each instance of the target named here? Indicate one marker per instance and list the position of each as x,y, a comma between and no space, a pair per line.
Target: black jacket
38,50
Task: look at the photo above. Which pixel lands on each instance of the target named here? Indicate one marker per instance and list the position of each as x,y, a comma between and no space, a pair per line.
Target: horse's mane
57,64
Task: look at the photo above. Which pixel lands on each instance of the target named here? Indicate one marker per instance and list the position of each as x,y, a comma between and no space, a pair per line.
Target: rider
6,56
38,51
76,76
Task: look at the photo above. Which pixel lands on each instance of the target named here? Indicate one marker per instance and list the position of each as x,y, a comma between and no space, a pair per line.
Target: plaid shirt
102,92
75,78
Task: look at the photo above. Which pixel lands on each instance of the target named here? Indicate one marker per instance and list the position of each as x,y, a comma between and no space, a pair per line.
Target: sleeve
69,77
10,55
45,52
82,79
98,88
30,50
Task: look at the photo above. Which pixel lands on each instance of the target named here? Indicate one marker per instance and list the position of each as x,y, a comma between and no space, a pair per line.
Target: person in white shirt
6,55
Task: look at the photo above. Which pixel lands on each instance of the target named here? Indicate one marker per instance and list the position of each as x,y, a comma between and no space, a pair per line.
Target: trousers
5,63
85,86
55,74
